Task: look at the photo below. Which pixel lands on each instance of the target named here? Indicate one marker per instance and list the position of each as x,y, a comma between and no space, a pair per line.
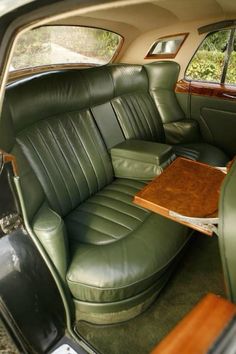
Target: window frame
228,53
149,54
24,72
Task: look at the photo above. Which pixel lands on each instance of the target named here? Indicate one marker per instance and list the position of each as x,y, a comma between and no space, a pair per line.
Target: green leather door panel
217,119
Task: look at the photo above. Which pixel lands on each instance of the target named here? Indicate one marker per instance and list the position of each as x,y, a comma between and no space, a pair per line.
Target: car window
167,47
51,45
208,62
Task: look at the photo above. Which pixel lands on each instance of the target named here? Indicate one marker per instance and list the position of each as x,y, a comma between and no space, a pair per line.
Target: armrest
182,131
50,230
139,159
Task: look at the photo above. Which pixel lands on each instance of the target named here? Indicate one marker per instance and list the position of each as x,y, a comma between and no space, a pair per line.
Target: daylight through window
209,60
51,45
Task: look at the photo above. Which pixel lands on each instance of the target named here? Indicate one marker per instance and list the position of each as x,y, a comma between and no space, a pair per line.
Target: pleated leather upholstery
69,158
133,105
116,250
137,114
121,249
108,216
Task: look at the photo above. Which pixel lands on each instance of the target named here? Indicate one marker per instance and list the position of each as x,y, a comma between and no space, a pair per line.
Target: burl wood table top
186,187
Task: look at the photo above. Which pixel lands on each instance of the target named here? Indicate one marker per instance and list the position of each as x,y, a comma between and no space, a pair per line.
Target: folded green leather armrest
50,229
139,159
182,131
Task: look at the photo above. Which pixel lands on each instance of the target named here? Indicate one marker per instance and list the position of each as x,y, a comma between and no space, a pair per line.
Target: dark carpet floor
198,273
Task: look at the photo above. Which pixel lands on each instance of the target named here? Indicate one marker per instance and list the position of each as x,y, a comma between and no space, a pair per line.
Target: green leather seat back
227,231
133,105
56,133
162,77
68,158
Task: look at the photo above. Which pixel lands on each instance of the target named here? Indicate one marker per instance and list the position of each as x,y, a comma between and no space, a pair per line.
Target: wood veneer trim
213,90
186,187
8,158
199,329
206,89
182,86
164,212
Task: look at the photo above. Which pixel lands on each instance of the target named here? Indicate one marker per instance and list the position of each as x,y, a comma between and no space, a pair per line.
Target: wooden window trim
166,55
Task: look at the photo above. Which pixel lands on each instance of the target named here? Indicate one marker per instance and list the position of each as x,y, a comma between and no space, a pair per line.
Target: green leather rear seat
114,256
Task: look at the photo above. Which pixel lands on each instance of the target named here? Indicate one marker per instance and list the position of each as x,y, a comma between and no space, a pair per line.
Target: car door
30,305
210,83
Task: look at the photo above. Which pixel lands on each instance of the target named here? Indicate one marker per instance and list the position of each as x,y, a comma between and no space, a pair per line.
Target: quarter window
167,47
50,45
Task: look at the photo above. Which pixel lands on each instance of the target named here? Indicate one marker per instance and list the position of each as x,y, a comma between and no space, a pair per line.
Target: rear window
50,45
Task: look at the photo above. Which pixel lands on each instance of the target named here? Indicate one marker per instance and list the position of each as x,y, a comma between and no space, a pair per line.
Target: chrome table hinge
10,223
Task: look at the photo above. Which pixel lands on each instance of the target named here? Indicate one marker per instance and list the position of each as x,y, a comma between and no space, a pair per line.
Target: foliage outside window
167,47
51,45
210,60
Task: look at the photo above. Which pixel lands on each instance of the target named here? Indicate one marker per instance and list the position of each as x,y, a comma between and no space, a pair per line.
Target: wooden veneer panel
186,187
198,331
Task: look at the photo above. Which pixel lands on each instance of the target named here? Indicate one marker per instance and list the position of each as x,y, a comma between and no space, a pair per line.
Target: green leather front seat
114,256
227,231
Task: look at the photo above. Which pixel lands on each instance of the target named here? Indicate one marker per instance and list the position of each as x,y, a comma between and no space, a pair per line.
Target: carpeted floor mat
198,273
6,345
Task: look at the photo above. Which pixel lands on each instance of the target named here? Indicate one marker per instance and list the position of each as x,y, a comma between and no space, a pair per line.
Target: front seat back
227,231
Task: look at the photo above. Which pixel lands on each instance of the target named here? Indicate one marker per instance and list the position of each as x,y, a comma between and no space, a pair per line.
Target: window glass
64,44
231,71
208,62
167,47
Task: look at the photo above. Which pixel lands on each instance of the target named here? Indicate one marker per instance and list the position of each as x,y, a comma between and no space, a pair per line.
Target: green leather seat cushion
206,153
118,249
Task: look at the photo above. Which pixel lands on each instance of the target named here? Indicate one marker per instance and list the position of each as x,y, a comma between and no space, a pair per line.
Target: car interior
87,137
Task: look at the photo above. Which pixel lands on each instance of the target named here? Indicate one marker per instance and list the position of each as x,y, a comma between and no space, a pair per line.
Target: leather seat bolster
50,230
162,77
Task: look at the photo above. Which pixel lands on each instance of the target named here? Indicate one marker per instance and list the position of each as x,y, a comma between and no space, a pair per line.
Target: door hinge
10,223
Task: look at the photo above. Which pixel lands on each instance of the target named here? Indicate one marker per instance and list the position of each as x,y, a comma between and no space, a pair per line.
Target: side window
208,62
50,45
